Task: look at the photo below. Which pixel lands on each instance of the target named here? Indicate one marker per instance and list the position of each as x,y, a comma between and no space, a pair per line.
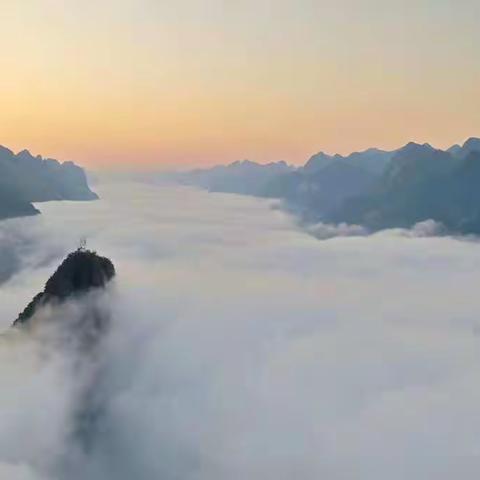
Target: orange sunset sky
143,83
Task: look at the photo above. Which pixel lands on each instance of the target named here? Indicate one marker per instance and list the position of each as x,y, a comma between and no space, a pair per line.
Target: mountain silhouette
317,192
25,178
374,188
470,146
372,160
242,177
421,186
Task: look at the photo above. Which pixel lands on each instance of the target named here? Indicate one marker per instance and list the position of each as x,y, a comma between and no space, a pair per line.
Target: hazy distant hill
471,145
421,183
242,177
374,188
25,179
316,192
414,164
373,160
315,189
326,181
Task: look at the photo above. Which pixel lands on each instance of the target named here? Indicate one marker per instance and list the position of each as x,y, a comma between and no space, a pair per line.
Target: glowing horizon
148,84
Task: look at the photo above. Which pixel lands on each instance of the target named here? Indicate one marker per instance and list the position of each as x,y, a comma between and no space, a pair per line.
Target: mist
243,346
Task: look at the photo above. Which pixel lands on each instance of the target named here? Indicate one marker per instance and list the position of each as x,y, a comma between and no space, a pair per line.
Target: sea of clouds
243,347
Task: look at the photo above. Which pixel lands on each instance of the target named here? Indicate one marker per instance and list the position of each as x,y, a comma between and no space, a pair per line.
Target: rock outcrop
71,316
81,272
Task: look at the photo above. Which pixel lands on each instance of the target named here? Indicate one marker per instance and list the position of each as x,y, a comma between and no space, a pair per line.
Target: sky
153,84
241,346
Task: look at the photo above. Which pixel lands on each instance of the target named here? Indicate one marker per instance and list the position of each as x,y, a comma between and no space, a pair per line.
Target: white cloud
243,347
324,231
18,472
425,229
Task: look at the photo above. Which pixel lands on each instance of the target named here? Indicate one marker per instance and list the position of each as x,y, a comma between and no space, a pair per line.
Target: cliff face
25,178
80,272
13,205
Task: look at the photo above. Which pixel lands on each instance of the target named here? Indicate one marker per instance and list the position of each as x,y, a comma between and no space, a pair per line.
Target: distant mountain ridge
241,177
374,188
372,160
25,178
470,146
318,191
421,183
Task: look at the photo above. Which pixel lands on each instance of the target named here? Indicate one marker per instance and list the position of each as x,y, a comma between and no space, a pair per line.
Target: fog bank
243,347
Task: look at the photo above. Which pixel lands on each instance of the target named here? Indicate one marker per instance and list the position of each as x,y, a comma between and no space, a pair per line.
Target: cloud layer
243,347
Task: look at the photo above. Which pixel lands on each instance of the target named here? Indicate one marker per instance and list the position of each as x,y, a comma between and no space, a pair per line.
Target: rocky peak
82,271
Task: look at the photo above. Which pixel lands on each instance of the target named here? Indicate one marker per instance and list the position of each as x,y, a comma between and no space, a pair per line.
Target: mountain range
25,179
242,177
374,188
372,160
421,183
